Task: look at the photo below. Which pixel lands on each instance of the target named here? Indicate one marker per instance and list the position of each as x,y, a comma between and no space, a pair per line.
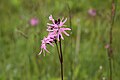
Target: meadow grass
84,51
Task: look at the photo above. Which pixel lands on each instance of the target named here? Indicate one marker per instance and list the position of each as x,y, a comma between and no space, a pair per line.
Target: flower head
92,12
55,30
57,27
34,21
46,41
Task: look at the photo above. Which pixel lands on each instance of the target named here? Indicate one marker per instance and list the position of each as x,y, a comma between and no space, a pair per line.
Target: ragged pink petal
62,23
40,52
65,33
67,29
51,18
46,50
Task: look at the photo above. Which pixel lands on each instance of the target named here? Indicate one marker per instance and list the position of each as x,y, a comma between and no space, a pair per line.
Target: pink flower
62,30
57,27
92,12
44,42
34,21
55,33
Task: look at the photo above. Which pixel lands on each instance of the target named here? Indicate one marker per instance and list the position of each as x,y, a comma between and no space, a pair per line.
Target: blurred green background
85,56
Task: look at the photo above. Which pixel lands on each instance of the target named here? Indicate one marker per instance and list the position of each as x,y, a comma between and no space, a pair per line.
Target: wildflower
55,32
34,21
92,12
44,42
57,27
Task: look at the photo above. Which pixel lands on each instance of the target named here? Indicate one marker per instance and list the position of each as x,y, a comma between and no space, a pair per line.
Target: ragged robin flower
56,29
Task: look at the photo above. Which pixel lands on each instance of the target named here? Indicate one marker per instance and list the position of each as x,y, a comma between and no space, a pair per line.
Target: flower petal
40,52
65,33
64,20
67,29
51,18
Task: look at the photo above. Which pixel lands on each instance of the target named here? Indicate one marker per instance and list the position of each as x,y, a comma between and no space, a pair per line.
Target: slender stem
58,50
110,66
110,52
61,60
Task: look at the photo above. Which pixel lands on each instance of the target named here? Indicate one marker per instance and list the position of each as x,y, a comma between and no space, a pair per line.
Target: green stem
58,50
61,60
110,52
110,66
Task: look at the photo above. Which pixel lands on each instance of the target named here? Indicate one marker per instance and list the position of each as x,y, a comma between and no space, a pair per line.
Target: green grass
19,58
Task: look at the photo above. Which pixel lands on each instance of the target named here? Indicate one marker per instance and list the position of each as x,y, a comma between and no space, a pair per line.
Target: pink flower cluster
55,30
